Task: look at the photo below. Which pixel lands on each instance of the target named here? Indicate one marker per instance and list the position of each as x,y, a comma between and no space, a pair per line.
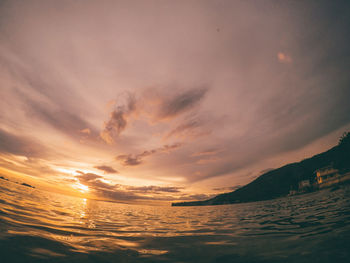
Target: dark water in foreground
37,226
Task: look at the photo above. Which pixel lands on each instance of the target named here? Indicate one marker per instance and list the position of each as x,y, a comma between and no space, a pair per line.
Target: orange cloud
205,153
155,106
208,160
118,119
106,169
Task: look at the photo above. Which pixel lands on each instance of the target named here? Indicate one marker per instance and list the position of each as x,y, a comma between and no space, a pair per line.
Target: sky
168,100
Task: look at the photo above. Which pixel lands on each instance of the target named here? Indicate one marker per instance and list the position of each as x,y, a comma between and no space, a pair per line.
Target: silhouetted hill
277,183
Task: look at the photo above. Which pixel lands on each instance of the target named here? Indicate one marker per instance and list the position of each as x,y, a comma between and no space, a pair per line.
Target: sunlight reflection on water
37,225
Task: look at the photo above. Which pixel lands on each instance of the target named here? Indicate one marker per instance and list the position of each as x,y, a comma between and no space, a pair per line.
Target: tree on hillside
342,161
344,139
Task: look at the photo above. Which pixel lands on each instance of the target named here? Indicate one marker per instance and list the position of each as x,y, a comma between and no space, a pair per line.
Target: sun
80,187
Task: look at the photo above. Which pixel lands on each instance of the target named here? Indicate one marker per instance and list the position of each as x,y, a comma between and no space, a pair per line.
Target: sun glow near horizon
81,188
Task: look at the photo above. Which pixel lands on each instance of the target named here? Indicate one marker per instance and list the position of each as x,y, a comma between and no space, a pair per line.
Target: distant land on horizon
24,184
278,182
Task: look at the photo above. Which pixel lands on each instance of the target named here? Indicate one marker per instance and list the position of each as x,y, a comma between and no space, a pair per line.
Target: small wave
37,226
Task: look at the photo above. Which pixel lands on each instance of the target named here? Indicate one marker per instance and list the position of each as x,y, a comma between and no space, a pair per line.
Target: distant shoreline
326,169
24,184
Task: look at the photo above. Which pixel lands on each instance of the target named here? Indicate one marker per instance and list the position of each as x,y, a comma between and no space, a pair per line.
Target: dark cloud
19,145
58,118
168,148
192,128
205,153
118,119
153,105
142,193
137,159
62,120
55,107
229,188
181,103
120,192
106,169
124,192
87,177
166,107
118,195
195,197
99,185
93,181
155,189
129,159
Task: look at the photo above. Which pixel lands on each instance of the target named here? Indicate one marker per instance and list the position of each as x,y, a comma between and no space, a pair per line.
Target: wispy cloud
191,128
19,145
87,177
205,153
157,106
207,160
27,164
129,159
97,184
228,188
106,169
180,103
155,189
196,197
118,118
137,159
66,122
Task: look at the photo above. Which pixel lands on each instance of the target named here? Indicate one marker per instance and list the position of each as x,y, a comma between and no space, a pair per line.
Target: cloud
118,195
207,160
93,181
125,192
188,129
129,159
137,159
181,103
86,131
87,177
106,169
118,118
19,145
205,153
39,98
58,118
32,165
99,185
229,188
153,106
196,197
155,189
168,148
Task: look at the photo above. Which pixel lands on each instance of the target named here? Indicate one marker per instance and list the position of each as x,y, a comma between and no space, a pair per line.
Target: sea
39,226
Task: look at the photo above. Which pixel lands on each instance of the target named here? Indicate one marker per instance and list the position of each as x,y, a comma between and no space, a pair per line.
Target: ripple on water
40,225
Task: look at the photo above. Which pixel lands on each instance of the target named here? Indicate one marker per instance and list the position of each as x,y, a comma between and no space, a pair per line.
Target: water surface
37,226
